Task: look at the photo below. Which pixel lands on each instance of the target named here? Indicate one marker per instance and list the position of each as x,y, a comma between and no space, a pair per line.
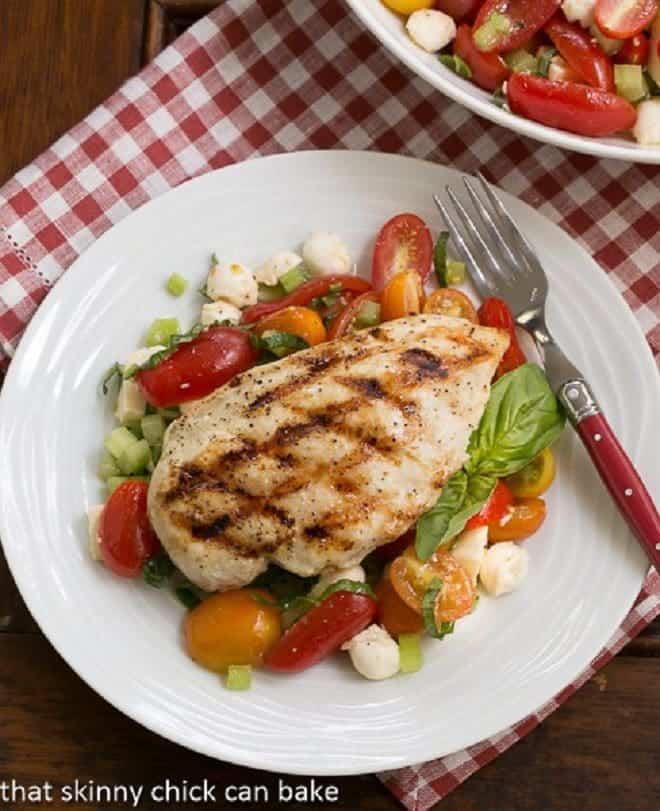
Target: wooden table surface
600,751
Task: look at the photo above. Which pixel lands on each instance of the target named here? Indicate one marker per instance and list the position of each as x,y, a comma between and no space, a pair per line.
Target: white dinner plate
389,29
123,638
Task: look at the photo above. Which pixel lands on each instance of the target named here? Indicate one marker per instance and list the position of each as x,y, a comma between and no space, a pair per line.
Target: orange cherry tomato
402,296
494,509
527,515
232,628
301,321
411,579
393,613
448,301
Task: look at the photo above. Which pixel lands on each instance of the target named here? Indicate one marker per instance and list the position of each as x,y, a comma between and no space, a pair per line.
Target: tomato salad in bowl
590,67
419,585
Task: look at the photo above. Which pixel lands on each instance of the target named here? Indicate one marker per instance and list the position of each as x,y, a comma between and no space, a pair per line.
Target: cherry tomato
489,70
322,630
568,106
304,294
301,321
412,578
393,613
127,539
527,515
494,509
622,19
634,51
525,18
458,9
343,322
407,7
581,52
198,367
448,301
494,312
402,296
393,549
403,243
535,478
232,628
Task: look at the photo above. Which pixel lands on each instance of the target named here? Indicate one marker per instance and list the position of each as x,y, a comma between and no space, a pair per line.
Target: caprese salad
590,67
421,584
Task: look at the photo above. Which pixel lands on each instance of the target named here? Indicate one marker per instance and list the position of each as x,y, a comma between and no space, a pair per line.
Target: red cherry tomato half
525,18
568,106
634,51
302,295
494,509
127,539
494,312
622,19
198,367
321,631
488,70
582,53
404,243
343,322
458,9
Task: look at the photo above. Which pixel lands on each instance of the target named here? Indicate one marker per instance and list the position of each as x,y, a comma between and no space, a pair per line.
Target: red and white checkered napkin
255,78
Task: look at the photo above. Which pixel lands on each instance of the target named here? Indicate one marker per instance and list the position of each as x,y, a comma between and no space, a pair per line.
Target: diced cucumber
153,428
487,36
107,467
410,653
156,451
118,441
114,481
176,285
455,63
135,458
134,427
239,677
270,292
521,61
160,332
293,278
368,315
630,82
455,272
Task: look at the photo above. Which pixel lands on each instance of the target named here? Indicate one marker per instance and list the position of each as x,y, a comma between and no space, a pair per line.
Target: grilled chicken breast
314,460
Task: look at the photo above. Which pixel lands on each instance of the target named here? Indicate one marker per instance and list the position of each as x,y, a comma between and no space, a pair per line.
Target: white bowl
389,29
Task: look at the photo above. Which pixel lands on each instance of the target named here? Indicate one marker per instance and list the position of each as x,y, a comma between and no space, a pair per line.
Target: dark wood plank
60,59
598,752
166,19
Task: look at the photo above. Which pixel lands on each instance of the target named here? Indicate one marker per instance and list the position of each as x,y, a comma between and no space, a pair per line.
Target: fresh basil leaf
114,372
461,498
187,596
281,344
428,611
521,418
354,586
173,342
158,570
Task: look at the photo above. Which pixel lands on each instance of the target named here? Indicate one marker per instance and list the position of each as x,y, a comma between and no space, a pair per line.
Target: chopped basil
172,343
545,58
187,596
428,611
354,586
158,570
114,372
277,344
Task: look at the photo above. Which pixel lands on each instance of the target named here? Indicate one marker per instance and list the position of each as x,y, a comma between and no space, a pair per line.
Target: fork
502,263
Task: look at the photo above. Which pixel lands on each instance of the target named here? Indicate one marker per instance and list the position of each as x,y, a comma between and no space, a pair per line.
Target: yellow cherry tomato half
412,578
535,478
301,321
232,628
524,519
407,7
447,301
402,296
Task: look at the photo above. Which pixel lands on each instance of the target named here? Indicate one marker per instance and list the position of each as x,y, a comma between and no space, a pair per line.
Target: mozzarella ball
647,126
430,29
215,312
581,11
504,567
232,282
93,522
469,550
325,254
274,268
330,576
374,654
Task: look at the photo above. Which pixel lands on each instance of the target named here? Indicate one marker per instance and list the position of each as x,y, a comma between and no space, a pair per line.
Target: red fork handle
622,480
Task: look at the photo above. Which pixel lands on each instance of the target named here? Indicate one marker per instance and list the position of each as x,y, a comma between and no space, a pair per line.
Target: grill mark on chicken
317,531
426,363
211,529
369,386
